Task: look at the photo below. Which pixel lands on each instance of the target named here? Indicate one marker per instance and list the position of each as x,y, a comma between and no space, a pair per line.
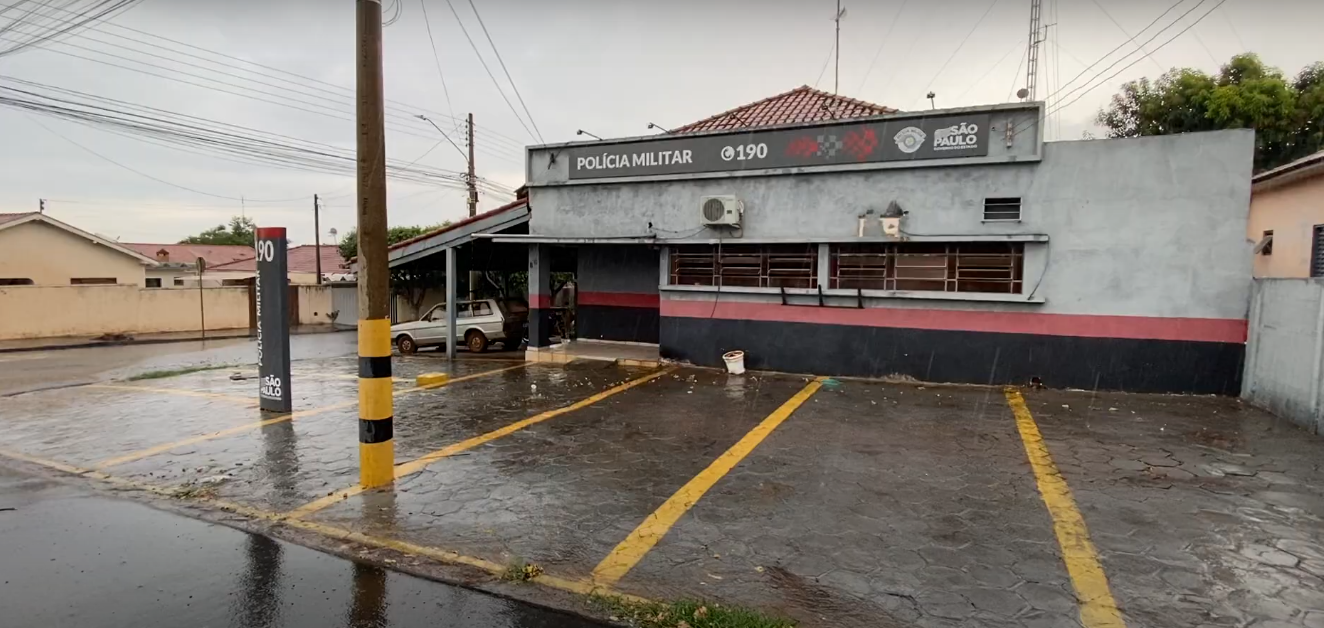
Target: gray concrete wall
1285,351
1141,227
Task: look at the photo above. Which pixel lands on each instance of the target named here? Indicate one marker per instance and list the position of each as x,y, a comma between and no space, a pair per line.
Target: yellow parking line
176,391
418,464
629,552
1097,607
238,429
572,585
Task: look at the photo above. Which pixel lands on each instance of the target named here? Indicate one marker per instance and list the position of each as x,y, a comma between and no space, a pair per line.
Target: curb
152,341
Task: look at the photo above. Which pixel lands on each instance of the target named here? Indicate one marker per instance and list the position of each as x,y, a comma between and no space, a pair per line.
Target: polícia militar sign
273,321
893,139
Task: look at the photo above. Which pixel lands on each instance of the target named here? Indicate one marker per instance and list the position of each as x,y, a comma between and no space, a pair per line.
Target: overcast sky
609,67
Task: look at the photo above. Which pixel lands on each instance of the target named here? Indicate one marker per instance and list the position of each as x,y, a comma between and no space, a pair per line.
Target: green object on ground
831,383
682,613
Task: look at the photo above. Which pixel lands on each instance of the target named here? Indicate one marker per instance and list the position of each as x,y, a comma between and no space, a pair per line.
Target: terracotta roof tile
215,254
300,259
800,105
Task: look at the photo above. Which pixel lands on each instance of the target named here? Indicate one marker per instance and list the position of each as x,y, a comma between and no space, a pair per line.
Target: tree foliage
240,231
349,244
1288,116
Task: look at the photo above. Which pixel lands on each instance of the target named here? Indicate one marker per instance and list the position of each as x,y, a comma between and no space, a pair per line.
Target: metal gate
345,304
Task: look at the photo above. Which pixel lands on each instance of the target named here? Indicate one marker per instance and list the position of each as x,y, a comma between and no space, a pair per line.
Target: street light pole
376,447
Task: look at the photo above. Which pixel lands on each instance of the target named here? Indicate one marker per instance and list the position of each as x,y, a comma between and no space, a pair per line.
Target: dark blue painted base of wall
607,322
1154,366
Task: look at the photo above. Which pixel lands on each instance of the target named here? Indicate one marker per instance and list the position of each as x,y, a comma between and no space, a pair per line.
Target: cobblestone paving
877,505
873,504
565,492
1206,512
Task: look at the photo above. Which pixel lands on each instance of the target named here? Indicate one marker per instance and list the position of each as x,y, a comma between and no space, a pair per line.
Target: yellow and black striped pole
376,407
376,450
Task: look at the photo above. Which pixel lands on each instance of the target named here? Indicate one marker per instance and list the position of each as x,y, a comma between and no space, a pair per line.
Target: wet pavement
71,558
868,503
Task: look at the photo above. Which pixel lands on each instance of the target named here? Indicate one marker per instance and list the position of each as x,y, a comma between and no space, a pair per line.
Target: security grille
1002,209
937,267
1317,252
754,266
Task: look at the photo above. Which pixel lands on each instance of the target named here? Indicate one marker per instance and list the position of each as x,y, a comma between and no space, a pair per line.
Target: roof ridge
744,106
825,99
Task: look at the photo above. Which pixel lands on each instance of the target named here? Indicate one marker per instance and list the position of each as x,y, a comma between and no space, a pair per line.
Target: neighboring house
301,260
1287,219
177,263
37,250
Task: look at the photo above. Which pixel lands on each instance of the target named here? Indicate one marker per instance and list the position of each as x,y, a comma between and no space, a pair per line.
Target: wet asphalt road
72,558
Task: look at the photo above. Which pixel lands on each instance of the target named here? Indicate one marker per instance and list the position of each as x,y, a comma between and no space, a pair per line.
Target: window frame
7,282
787,266
93,281
1317,251
147,283
999,205
922,267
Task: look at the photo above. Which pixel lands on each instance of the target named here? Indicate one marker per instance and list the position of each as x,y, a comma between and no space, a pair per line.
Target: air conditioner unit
725,211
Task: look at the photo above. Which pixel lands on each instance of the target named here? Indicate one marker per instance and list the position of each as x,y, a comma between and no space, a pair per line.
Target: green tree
240,231
349,243
1245,94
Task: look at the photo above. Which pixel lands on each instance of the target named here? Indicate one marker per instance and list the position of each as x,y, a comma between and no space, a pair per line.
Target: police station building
828,236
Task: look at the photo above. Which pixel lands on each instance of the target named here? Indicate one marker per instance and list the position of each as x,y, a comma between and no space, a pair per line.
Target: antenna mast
1032,60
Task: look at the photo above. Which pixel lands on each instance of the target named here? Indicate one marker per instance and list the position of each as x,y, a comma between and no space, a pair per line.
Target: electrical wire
1019,43
483,61
1130,40
513,86
148,176
1130,37
826,62
407,111
103,10
1017,74
958,48
435,57
882,42
1128,66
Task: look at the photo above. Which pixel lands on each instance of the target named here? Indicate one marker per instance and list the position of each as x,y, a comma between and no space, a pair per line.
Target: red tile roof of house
802,104
300,259
215,254
12,217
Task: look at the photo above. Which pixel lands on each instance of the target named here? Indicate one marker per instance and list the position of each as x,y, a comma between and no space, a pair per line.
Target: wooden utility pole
376,447
473,178
317,239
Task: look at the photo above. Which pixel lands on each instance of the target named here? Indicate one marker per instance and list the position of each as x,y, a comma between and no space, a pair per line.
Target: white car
477,323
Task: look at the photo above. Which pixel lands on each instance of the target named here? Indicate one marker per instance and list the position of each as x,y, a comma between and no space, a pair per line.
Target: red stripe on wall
1081,325
620,299
541,301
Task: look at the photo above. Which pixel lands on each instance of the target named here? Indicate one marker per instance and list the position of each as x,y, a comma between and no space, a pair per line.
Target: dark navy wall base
607,322
1153,366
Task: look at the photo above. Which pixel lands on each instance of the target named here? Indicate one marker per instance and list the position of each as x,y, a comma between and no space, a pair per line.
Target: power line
157,179
1124,31
826,61
1132,39
882,42
82,19
483,61
989,71
959,46
513,86
401,107
1141,46
1015,76
1129,65
435,57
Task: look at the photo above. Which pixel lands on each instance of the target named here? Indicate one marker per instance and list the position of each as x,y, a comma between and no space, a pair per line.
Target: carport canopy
512,218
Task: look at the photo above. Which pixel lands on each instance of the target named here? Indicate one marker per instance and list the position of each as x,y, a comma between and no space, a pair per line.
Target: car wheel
406,345
476,341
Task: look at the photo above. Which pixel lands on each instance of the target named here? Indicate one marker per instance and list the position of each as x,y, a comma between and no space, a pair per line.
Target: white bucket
735,362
